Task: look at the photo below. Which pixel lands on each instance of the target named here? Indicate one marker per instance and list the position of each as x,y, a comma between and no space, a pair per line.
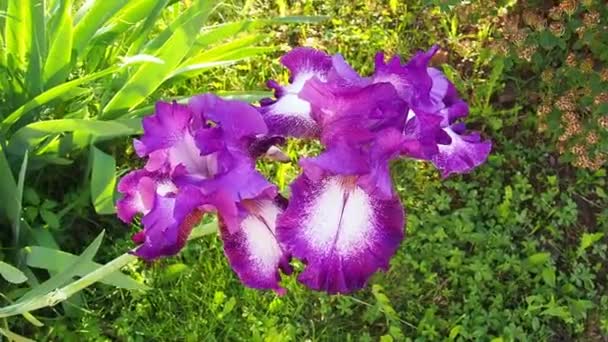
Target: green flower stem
59,295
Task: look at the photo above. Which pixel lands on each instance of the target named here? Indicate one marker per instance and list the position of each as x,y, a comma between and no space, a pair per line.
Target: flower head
344,219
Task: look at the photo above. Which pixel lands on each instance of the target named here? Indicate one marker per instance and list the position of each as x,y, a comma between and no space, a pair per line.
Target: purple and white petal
169,223
463,154
289,115
341,232
164,129
253,249
139,189
169,142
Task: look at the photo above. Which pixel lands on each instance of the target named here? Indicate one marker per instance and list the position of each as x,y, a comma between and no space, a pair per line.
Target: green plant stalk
59,295
55,297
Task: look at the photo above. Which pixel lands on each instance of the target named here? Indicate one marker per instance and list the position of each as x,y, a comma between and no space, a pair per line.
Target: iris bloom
343,220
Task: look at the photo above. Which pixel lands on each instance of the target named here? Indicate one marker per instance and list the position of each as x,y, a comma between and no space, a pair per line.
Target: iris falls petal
252,248
341,232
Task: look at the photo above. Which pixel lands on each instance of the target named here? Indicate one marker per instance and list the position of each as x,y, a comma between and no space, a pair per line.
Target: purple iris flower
199,161
434,109
343,220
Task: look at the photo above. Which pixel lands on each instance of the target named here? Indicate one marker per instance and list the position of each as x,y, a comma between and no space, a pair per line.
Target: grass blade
61,294
52,94
220,52
34,133
247,96
56,260
299,19
65,90
63,277
18,30
217,33
19,199
139,36
126,17
199,10
103,181
149,77
11,273
48,292
8,189
231,57
204,229
14,336
193,69
33,76
92,19
57,65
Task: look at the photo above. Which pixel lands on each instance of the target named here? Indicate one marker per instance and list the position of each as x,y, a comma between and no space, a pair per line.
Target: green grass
512,251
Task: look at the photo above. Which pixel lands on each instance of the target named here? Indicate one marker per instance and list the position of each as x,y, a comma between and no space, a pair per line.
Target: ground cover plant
512,251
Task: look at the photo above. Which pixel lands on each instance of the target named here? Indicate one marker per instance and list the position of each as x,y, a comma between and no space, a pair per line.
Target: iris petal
341,232
463,154
253,249
138,189
434,108
290,115
237,119
168,224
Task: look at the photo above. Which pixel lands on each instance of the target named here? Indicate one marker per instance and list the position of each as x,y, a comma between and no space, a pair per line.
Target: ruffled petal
237,119
252,248
242,181
165,128
169,223
341,232
169,142
422,132
342,74
353,114
463,154
139,189
411,81
289,115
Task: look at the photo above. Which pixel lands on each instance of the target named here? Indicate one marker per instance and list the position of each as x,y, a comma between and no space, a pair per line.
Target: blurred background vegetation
515,250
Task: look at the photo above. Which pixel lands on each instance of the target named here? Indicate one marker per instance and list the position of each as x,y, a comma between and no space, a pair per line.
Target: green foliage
564,46
75,75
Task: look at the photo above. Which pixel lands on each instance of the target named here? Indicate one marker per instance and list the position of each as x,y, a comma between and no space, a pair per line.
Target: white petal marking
165,187
186,152
259,230
456,143
292,104
340,219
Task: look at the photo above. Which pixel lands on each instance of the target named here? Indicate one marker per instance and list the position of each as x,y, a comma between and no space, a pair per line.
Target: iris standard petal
237,119
353,114
164,128
169,142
